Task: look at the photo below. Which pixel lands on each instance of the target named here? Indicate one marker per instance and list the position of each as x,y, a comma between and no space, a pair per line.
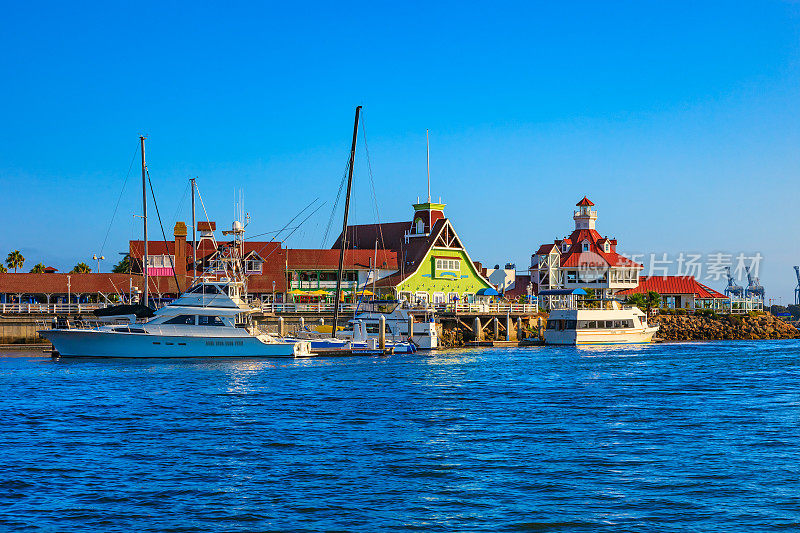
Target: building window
607,247
448,264
585,246
419,226
252,265
438,298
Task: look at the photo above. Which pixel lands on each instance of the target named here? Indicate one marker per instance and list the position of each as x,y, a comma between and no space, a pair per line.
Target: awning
488,292
298,292
562,292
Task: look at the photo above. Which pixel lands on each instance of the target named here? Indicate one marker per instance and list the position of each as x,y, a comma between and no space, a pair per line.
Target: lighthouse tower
585,217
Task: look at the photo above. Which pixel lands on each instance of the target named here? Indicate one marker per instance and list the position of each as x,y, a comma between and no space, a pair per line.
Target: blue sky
679,120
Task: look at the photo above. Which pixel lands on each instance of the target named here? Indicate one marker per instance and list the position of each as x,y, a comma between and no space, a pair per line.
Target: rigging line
171,260
200,197
372,183
266,233
119,198
180,204
287,224
336,203
299,225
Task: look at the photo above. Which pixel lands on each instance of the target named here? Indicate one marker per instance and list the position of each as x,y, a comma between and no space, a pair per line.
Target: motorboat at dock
199,323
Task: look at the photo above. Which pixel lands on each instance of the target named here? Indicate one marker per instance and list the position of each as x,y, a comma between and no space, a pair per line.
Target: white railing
501,308
57,309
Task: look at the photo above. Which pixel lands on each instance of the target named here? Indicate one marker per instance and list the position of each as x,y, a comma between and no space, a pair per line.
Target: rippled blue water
683,437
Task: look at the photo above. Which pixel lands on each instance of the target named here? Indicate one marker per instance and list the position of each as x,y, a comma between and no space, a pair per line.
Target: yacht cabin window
205,320
183,320
204,289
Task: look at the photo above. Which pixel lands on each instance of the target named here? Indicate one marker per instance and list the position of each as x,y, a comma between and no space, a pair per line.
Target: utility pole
144,216
338,296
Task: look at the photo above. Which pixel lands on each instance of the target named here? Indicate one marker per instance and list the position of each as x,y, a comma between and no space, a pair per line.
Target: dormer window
585,246
419,226
606,247
564,247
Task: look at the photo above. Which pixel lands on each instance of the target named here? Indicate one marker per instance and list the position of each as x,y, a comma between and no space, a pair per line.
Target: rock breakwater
723,327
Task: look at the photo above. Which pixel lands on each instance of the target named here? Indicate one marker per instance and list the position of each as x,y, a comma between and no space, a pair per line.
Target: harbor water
671,437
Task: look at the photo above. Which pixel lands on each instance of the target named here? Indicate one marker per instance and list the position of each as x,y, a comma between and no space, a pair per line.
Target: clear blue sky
679,120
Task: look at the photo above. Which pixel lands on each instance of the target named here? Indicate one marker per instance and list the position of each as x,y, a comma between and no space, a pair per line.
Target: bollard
321,321
281,331
410,327
496,328
382,333
508,326
539,327
477,329
302,323
519,328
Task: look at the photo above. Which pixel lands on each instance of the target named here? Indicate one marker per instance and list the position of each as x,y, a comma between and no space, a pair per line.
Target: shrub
681,312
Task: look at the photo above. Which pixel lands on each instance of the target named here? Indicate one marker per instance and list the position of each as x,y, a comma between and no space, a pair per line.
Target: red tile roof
673,285
329,259
389,236
585,202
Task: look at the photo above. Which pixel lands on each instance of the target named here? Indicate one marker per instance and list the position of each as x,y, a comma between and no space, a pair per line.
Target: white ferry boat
199,323
609,323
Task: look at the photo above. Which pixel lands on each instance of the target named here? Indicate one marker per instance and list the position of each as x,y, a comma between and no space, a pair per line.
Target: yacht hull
93,343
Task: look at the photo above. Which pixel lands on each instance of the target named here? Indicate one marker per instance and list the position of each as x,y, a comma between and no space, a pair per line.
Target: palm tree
3,269
124,266
653,299
15,260
38,268
81,268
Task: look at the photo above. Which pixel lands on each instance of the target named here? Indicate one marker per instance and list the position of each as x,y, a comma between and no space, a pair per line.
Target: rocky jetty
723,327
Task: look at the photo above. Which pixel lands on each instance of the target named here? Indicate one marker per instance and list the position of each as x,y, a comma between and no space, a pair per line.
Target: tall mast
338,295
194,237
144,217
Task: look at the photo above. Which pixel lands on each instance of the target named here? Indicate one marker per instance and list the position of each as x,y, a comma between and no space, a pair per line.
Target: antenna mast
428,148
144,216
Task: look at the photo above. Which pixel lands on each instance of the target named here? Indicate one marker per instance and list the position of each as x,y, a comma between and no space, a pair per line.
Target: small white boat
353,337
199,323
609,323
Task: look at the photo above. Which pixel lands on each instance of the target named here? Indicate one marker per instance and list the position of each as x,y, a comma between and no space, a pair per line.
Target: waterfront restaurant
46,289
433,266
680,292
584,260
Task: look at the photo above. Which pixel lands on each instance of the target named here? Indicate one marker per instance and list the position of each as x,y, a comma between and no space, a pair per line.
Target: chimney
180,255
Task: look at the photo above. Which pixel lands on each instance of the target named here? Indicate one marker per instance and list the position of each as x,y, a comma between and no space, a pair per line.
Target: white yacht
608,323
199,323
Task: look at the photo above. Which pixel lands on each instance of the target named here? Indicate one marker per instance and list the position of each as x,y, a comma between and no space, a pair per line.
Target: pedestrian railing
50,309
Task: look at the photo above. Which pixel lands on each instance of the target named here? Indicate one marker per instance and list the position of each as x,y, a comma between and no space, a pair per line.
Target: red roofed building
680,292
585,259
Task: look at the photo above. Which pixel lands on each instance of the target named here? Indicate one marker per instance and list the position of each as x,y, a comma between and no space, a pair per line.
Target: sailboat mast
194,237
337,297
144,217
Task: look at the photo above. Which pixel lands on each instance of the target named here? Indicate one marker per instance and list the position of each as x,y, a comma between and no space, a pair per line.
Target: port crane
754,288
733,289
797,289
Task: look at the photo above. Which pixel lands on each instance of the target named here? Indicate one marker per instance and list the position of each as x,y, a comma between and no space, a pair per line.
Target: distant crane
754,288
733,289
797,289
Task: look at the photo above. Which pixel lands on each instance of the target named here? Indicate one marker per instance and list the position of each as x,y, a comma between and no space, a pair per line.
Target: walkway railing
499,308
49,309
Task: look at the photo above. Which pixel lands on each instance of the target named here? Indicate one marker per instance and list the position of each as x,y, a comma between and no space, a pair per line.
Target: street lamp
69,291
273,297
98,259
